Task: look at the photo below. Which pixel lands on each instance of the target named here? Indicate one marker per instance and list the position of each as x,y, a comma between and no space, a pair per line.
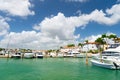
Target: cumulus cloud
92,38
64,27
32,40
42,0
4,26
77,1
16,7
58,26
118,0
58,30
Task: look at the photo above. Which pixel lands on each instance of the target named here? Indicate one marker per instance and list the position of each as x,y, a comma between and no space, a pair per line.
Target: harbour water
53,69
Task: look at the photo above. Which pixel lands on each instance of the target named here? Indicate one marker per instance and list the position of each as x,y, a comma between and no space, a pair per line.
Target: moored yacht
78,54
39,55
68,54
105,64
29,55
109,58
16,55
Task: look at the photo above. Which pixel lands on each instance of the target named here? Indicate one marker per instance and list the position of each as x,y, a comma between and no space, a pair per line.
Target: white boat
29,55
52,54
16,55
105,64
73,53
68,54
78,54
39,55
60,55
109,58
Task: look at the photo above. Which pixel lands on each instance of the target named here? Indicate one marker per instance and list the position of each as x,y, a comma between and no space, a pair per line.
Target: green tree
80,44
100,41
113,36
104,36
1,49
71,45
86,41
49,50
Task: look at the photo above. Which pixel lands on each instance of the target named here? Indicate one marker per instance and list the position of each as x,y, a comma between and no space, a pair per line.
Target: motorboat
29,55
16,55
53,54
73,53
39,55
78,54
109,64
109,58
68,54
60,55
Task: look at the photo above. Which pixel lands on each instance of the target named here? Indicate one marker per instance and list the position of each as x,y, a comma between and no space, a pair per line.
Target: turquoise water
53,69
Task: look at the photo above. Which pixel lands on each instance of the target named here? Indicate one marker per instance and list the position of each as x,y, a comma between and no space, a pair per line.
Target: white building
66,49
89,46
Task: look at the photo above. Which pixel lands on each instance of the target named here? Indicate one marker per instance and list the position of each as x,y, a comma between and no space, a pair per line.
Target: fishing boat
29,55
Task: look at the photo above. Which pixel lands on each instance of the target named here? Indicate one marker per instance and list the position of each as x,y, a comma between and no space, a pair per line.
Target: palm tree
86,42
100,41
114,37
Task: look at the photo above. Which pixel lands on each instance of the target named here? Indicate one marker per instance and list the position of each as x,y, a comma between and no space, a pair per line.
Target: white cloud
32,40
58,26
77,0
59,30
92,38
42,0
16,7
118,0
64,27
4,26
78,12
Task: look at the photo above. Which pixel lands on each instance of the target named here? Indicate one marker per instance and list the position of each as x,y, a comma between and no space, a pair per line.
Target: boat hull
104,65
16,56
39,56
29,55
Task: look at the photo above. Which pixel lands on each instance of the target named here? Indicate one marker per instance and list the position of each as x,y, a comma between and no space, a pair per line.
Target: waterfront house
89,46
66,49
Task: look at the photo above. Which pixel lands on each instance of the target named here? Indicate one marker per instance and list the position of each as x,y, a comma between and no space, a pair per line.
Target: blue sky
49,24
